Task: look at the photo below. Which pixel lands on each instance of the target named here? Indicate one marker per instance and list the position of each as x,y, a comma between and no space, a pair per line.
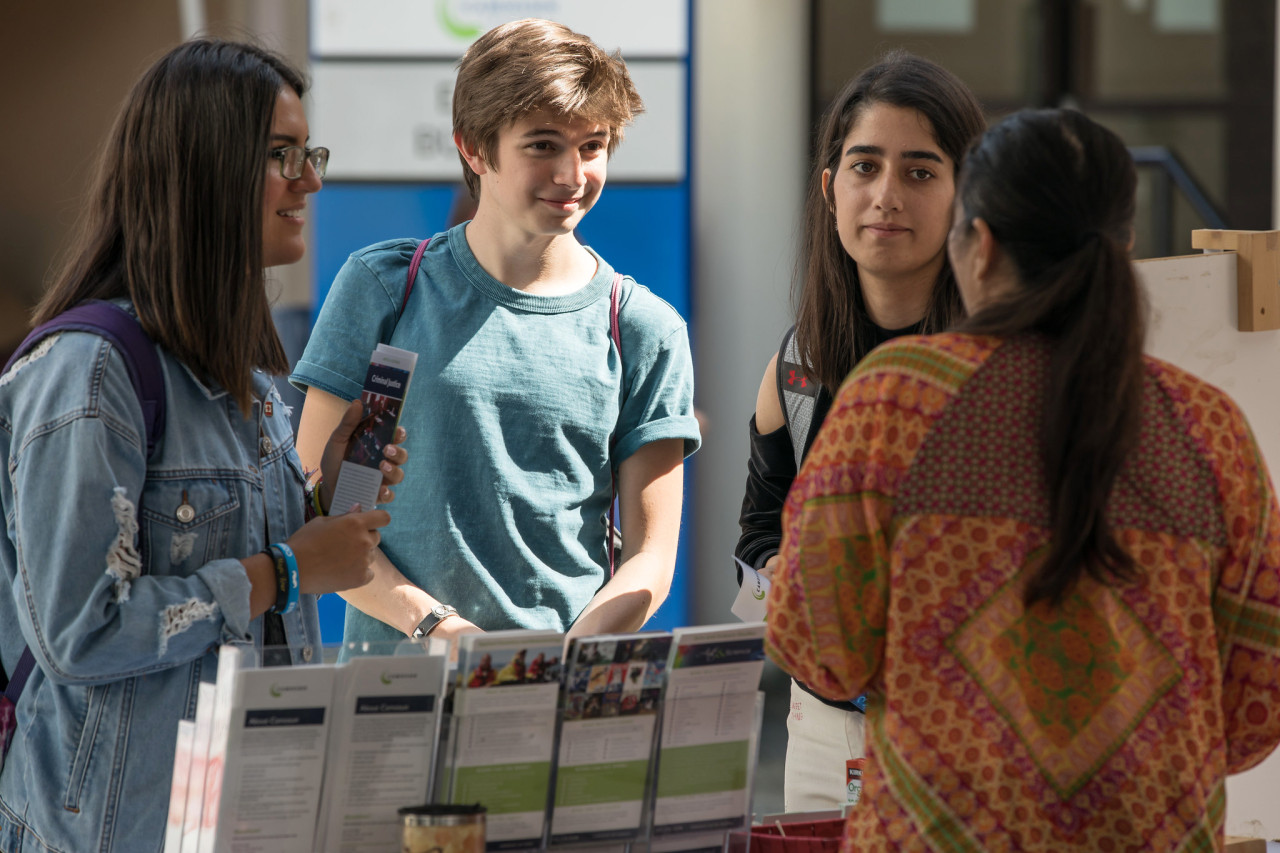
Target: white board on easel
1193,325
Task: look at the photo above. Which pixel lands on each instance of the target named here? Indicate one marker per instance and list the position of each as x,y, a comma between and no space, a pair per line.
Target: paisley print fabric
1109,722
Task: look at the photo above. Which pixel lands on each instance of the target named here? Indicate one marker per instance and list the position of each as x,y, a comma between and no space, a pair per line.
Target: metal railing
1170,172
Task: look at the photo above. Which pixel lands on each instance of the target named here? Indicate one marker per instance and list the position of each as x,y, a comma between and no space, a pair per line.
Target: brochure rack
630,743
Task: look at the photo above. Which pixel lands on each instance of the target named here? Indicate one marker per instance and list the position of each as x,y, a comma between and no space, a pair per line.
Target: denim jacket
124,577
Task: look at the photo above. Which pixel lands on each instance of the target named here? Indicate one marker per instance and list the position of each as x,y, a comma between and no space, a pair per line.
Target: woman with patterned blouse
1051,562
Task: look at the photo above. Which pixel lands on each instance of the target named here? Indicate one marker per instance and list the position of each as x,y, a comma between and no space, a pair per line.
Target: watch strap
438,614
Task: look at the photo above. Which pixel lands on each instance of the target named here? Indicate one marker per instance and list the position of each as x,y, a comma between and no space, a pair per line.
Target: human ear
986,255
470,153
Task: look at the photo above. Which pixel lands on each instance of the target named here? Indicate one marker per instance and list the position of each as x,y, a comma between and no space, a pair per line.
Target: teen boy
520,408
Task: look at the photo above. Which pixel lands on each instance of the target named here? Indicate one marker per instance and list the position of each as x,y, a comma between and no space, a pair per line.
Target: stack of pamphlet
307,758
612,697
382,746
270,732
710,730
503,732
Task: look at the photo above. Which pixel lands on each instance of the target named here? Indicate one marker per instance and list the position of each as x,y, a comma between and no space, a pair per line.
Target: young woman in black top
872,265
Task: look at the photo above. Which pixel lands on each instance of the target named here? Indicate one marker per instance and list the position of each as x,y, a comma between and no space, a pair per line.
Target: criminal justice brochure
710,727
382,746
502,741
613,689
386,385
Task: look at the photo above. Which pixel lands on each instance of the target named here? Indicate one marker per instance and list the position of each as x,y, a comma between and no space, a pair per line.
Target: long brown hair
1057,191
833,329
174,221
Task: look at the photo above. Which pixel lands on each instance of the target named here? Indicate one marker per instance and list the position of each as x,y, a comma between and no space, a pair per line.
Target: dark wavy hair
1057,191
833,329
174,221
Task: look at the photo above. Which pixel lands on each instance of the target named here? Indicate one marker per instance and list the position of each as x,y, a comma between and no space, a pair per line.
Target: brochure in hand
612,696
385,387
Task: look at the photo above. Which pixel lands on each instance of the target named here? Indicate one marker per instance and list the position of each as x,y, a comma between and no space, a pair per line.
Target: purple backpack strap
413,273
18,680
125,333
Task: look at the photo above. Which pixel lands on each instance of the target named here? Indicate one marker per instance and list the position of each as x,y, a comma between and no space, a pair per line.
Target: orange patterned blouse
1108,723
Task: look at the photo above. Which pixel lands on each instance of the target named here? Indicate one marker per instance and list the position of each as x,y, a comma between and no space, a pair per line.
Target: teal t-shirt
509,414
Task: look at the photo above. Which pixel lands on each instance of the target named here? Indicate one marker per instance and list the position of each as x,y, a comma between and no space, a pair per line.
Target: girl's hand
334,553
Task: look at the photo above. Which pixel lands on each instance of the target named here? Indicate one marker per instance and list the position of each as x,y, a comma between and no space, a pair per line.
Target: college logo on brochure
277,690
391,677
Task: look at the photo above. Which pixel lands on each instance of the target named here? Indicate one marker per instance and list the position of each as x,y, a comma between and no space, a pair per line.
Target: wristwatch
438,614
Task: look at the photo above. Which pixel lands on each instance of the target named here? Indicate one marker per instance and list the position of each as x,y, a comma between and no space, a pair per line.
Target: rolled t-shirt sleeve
659,395
359,311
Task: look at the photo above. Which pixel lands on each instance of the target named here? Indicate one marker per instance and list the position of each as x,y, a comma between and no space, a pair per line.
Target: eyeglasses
293,160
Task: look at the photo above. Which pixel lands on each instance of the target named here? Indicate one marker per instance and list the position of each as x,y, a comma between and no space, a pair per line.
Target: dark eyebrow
877,151
285,137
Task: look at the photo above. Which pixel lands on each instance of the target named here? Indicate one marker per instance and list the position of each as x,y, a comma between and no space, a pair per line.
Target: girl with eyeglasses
122,571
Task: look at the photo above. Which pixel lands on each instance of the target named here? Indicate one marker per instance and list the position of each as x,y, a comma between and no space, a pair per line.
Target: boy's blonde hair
532,64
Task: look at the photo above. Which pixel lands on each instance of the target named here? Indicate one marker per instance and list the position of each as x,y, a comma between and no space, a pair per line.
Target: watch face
442,610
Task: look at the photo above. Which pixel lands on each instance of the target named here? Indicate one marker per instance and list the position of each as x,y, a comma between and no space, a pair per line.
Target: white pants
820,740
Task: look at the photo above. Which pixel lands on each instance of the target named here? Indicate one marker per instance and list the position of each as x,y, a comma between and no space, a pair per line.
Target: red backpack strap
615,295
413,273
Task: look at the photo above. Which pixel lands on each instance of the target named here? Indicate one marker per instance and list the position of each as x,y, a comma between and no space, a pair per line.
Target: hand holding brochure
385,387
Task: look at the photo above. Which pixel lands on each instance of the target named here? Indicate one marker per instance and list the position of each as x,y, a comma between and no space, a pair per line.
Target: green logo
457,29
384,678
275,691
759,594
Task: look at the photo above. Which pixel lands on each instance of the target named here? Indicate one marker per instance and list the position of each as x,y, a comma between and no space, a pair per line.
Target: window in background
1196,77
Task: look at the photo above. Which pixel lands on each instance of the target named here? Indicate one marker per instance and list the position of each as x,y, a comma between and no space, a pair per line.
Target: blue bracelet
291,562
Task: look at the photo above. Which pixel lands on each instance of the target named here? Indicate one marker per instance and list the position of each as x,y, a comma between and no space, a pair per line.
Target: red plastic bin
820,836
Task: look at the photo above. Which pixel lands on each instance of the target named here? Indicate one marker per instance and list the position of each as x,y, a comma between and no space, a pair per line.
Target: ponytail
1078,289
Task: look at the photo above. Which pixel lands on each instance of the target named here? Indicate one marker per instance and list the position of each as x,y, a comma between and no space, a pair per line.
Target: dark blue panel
643,232
351,216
